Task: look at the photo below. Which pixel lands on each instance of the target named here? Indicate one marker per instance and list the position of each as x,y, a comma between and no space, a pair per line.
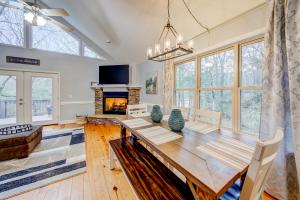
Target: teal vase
156,114
176,120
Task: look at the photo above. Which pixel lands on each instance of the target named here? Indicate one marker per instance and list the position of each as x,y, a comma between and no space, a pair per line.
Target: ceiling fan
36,15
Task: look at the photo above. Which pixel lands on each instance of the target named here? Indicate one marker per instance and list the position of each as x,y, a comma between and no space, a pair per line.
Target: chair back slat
265,153
184,111
208,117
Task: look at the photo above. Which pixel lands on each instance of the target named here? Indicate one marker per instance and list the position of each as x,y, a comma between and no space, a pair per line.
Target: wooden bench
150,178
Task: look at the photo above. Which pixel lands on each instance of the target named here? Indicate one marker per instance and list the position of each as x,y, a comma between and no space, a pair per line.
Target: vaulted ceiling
133,25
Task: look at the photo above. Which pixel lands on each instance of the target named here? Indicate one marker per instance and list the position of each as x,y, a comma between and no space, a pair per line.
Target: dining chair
211,117
138,110
252,188
184,111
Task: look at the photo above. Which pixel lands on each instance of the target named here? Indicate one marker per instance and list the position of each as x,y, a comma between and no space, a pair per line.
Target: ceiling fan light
29,17
41,21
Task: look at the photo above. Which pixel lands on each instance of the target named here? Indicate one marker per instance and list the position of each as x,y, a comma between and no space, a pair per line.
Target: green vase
156,114
176,121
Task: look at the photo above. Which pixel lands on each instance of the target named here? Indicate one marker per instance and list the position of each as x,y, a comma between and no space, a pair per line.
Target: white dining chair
138,110
253,187
204,121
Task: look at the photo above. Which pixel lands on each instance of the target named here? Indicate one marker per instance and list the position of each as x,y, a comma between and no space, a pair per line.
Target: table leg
111,158
199,195
123,132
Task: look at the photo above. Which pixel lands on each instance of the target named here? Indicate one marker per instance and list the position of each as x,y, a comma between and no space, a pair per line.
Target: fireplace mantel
133,95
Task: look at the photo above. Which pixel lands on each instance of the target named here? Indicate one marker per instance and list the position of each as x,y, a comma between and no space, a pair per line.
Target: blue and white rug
60,155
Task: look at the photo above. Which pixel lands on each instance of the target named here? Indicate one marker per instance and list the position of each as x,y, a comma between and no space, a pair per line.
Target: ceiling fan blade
54,12
61,25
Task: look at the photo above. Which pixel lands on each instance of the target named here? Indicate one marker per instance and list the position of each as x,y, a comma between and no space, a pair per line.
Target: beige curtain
168,86
281,95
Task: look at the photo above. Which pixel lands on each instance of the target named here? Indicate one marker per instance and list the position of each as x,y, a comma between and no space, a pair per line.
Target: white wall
142,71
76,73
242,27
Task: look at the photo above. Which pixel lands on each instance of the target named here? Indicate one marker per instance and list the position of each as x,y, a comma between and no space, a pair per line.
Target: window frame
244,88
218,88
236,87
192,59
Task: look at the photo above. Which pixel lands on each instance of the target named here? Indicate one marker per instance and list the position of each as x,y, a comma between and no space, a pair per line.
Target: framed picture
151,83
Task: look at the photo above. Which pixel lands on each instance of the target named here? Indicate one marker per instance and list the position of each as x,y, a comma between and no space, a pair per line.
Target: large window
185,84
216,75
224,83
250,86
11,26
52,38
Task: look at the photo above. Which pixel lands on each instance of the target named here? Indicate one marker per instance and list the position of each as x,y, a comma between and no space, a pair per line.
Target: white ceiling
134,25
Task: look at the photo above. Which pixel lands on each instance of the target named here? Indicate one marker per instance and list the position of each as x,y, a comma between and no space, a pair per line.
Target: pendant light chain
185,4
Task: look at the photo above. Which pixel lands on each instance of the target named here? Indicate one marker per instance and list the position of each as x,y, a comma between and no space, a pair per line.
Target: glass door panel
8,99
11,98
42,99
41,93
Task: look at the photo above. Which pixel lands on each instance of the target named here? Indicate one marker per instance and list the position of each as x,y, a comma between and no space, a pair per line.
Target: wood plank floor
99,183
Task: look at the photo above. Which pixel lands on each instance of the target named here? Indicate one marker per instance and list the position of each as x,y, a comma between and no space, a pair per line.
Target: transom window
213,83
11,26
48,37
87,52
52,38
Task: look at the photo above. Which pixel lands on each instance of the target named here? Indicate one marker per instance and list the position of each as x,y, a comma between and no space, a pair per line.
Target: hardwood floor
99,182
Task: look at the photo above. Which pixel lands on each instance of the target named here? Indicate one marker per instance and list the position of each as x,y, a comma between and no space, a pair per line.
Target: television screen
114,74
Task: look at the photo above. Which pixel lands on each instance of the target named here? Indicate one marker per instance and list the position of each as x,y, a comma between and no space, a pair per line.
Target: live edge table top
209,174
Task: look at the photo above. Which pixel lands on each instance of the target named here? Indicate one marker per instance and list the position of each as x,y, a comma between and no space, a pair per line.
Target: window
216,76
250,86
185,84
87,52
11,26
226,84
53,38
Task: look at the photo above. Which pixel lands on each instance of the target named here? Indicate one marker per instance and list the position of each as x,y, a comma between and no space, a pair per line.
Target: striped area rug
60,155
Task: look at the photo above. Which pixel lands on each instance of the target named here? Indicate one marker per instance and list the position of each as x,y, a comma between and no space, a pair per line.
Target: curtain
281,95
168,86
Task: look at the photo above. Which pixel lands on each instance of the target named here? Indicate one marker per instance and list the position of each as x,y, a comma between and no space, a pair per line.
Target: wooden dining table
208,176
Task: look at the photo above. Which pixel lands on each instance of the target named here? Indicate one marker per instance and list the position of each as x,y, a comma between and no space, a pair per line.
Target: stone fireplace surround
133,95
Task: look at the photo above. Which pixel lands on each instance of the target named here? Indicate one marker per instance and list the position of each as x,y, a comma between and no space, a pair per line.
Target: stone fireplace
111,101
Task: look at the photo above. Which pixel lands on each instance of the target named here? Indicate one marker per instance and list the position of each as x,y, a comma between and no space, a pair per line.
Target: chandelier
168,51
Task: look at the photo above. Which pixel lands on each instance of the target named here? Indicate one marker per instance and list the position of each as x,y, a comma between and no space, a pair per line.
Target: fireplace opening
115,102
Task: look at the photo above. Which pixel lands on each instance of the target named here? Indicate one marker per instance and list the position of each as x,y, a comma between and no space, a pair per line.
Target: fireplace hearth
115,102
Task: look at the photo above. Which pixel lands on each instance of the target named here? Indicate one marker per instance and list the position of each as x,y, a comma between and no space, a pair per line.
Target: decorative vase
176,121
156,114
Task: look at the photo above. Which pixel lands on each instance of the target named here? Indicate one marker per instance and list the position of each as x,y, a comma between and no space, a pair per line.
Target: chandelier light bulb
179,40
167,45
149,52
191,45
157,49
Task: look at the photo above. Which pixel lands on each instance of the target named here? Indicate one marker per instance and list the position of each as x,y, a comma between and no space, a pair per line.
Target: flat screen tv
114,74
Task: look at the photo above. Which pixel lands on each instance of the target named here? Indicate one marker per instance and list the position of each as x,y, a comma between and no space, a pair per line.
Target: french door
28,97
